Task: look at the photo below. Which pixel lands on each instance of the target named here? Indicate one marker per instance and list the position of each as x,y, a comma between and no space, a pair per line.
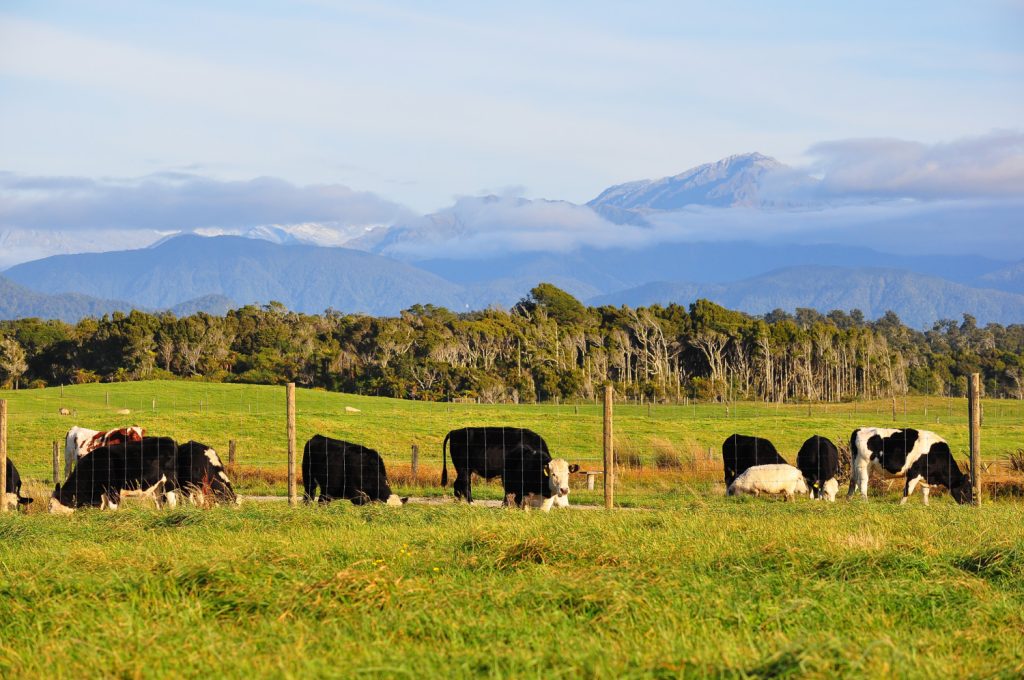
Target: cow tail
444,460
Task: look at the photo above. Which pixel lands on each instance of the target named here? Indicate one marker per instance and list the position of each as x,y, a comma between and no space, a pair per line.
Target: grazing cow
818,459
937,467
80,441
530,482
201,473
741,451
12,497
344,470
891,450
101,478
483,450
861,457
759,479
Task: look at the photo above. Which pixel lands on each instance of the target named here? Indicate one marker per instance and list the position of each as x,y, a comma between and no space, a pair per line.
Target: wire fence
664,453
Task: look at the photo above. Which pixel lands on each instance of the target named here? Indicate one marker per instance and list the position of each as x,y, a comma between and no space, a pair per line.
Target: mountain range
493,249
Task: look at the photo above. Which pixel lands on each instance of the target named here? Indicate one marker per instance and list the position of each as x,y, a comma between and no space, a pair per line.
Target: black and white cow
129,468
861,457
12,497
483,450
818,459
80,441
344,470
741,451
937,468
200,473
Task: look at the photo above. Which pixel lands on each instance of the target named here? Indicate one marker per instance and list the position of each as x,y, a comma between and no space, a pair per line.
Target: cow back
818,459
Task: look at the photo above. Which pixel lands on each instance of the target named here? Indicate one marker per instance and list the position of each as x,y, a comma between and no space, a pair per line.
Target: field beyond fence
664,452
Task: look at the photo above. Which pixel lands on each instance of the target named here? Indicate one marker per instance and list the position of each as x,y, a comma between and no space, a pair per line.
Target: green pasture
254,416
715,587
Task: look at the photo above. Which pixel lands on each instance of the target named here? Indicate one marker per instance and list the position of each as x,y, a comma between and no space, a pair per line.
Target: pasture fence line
609,449
3,455
293,498
57,479
974,408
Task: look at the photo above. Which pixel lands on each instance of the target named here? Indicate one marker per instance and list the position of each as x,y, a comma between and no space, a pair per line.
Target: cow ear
574,468
405,500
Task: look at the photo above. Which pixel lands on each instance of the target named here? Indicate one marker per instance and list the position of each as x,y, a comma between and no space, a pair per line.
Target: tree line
548,346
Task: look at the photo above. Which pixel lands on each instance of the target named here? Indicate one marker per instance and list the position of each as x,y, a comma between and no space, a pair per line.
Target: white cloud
182,201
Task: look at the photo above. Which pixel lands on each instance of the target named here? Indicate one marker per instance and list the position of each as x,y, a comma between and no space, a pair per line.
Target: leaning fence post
231,451
293,498
56,463
415,462
3,455
974,407
609,452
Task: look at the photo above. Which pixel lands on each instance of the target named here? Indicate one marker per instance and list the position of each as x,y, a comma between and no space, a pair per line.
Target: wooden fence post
231,451
56,463
3,455
894,408
415,462
974,407
609,451
293,498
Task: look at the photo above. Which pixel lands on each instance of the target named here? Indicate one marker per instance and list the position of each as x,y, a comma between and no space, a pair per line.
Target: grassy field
683,582
689,437
716,587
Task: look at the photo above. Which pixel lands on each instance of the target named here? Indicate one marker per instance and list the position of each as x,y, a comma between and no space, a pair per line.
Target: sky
386,108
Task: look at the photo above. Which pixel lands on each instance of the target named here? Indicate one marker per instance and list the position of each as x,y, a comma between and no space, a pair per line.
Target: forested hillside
548,346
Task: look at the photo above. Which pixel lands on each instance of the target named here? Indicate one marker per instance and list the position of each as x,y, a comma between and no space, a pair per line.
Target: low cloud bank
182,201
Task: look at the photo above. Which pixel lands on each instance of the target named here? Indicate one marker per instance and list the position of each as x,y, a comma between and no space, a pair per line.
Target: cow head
57,506
394,500
964,493
13,500
557,474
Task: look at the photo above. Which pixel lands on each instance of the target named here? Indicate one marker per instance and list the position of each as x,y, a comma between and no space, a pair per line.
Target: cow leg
909,489
172,499
463,486
924,492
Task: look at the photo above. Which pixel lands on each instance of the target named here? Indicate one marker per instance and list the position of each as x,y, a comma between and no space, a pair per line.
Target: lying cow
483,450
80,441
773,479
200,473
12,492
741,451
937,468
534,480
101,478
818,459
344,470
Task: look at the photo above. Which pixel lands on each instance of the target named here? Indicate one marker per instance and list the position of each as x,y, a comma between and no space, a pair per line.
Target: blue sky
421,105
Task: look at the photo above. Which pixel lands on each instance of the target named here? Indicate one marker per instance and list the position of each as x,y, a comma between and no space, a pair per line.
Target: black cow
818,460
483,450
201,473
12,493
741,451
129,468
937,467
532,476
344,470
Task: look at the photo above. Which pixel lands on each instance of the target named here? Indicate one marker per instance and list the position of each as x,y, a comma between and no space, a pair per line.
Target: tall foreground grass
715,587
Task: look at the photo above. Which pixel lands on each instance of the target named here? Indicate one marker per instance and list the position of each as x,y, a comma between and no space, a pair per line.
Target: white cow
80,441
558,472
784,479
